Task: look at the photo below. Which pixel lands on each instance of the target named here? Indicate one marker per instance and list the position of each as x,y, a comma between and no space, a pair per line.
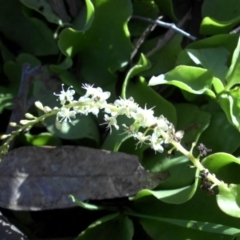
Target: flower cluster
146,128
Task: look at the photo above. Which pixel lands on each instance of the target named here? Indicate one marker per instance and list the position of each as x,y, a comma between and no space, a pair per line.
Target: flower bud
39,105
4,136
24,122
13,124
47,109
29,116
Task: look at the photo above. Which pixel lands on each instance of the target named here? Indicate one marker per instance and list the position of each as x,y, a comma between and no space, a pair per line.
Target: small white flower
141,138
126,106
155,143
66,114
144,117
162,124
96,94
110,121
65,96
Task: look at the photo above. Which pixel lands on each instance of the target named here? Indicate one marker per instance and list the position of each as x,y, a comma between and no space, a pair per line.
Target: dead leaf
33,178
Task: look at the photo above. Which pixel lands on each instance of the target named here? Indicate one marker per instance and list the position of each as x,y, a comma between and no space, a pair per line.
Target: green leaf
226,10
42,139
233,72
84,205
230,103
189,229
192,79
178,167
102,51
114,226
172,196
85,17
219,129
213,59
200,208
210,26
192,121
159,62
224,165
227,41
228,199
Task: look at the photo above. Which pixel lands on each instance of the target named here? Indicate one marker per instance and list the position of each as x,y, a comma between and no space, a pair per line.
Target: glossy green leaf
159,62
172,196
228,41
192,121
213,59
232,77
228,199
85,17
42,139
187,229
210,26
226,10
102,51
114,226
219,129
201,208
192,79
230,103
224,165
178,167
84,205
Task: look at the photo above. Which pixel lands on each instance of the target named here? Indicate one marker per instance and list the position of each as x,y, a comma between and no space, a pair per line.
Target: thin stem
166,25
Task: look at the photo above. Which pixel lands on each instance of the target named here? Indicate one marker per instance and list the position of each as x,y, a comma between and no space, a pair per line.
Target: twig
170,33
142,38
167,25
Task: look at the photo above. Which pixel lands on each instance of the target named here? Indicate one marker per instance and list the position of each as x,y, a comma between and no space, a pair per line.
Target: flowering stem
158,130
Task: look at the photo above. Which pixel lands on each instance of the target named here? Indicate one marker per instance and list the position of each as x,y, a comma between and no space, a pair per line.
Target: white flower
66,114
126,106
145,117
155,143
96,94
141,138
65,96
110,121
162,124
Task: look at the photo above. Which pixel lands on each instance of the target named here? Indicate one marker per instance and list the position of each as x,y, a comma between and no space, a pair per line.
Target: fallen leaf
33,178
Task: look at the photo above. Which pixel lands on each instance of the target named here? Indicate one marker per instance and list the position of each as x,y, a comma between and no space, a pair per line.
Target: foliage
196,88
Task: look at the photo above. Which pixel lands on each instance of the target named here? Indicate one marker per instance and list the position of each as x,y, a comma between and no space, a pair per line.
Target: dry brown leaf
33,178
